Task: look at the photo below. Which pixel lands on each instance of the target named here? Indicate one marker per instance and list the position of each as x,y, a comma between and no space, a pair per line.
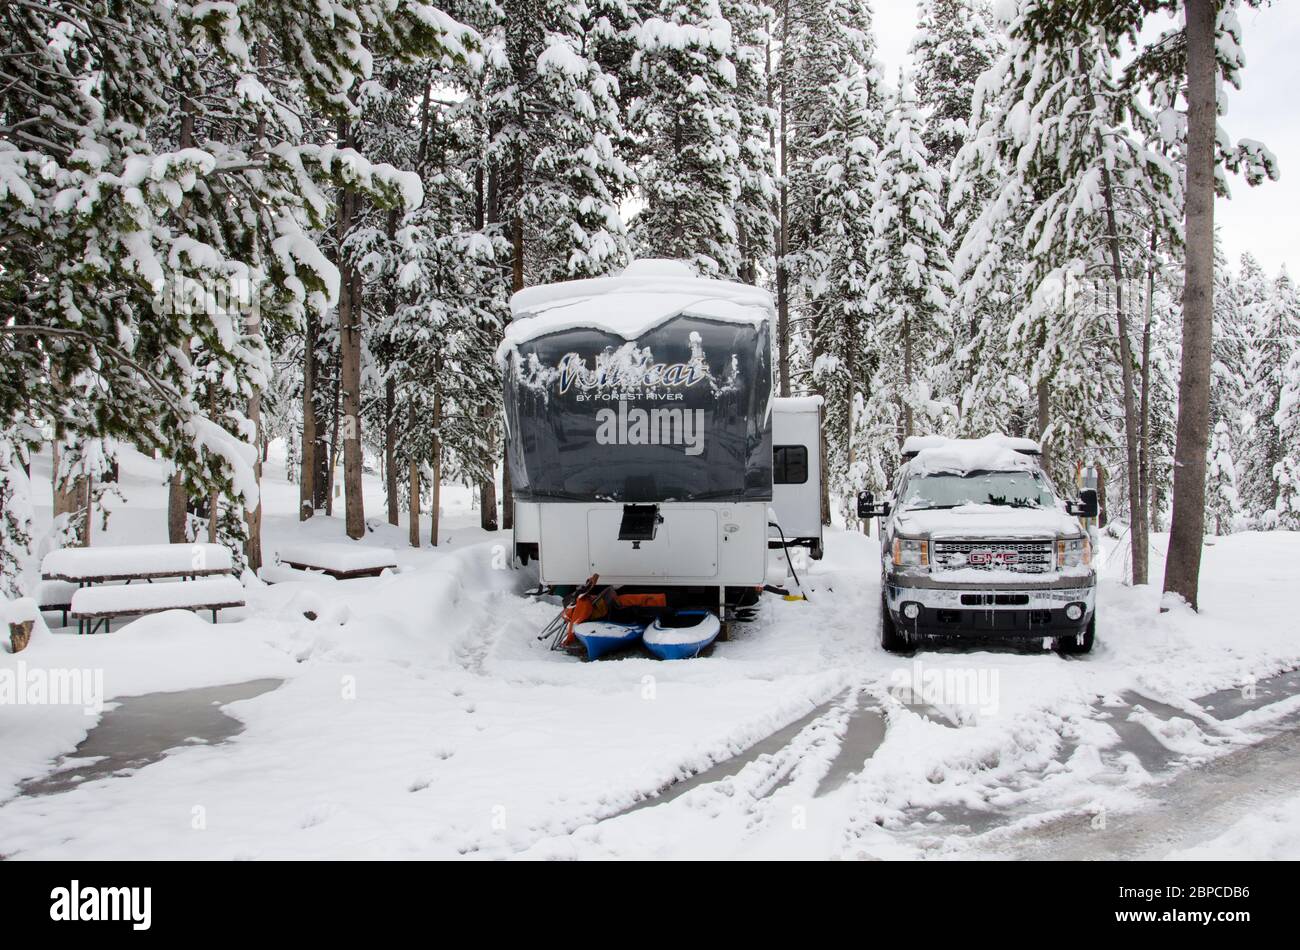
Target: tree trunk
1144,453
909,417
253,543
1137,524
435,464
70,500
487,501
1044,392
390,449
1187,529
350,341
413,503
310,437
783,238
1103,512
413,486
177,502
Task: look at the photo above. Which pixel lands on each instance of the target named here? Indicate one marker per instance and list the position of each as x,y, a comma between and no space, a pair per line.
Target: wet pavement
141,730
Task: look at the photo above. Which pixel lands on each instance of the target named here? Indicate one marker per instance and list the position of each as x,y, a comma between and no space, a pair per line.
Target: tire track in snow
1192,807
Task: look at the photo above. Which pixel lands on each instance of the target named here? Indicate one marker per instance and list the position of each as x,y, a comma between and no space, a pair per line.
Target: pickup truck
976,544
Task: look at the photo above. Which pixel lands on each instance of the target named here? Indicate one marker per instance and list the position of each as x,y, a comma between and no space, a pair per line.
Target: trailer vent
640,522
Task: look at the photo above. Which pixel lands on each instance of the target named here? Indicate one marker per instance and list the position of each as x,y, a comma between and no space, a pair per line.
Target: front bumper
993,611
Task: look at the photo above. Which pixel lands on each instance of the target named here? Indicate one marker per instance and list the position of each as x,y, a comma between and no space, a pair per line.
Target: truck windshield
951,490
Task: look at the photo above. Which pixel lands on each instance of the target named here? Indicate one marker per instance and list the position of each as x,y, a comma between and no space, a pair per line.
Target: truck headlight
909,552
1073,552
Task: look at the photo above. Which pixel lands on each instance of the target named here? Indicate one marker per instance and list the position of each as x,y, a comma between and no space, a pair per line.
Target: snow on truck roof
644,295
995,452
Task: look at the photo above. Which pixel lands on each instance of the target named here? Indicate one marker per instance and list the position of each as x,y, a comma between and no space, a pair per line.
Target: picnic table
135,562
116,567
338,560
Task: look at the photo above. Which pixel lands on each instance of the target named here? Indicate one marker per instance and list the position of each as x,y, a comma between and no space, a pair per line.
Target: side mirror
867,507
1086,506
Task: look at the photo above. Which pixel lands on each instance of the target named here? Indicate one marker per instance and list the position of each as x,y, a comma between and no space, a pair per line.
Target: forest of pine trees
225,224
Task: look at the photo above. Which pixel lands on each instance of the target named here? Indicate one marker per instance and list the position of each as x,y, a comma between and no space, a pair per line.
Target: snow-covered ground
419,715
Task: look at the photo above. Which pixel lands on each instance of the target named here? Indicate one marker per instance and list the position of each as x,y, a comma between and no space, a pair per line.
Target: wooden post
20,634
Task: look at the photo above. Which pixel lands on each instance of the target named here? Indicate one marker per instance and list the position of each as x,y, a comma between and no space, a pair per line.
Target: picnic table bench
96,605
67,575
55,595
338,560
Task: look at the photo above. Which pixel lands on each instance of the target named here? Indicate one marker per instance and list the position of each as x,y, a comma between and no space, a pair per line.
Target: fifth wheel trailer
639,429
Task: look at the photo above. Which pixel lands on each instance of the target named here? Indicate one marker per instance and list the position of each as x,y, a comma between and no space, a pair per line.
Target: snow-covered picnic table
342,561
102,604
135,562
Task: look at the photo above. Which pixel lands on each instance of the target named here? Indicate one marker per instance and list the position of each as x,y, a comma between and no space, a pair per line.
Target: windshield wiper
1002,501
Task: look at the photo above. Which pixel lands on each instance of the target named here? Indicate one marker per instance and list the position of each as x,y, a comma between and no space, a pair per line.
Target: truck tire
1069,646
892,640
816,550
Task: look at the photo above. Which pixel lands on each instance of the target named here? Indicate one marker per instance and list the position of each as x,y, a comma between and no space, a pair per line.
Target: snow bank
22,610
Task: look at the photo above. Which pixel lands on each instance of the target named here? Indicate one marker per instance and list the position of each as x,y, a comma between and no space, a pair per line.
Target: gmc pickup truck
975,543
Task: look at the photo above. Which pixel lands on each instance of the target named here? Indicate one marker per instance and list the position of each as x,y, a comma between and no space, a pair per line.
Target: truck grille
1023,557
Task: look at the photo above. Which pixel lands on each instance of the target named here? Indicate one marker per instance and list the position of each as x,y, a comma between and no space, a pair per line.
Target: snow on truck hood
969,522
646,294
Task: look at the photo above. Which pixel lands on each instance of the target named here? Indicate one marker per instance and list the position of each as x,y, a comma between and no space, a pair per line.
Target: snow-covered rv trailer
638,411
797,473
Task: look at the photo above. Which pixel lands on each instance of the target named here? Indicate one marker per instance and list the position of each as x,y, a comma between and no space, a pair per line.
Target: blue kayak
682,634
605,636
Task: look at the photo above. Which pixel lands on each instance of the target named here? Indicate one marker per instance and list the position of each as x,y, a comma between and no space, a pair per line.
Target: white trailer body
639,429
696,545
797,472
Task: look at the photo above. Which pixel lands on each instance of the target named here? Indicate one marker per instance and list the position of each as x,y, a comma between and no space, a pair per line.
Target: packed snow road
418,715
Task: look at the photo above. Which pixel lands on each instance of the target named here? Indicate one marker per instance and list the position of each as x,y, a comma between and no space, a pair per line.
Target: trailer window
789,464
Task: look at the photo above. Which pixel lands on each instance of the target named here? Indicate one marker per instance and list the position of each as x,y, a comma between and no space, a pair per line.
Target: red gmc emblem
997,558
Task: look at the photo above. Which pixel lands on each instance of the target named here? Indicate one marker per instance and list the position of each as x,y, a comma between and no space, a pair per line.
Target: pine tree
1082,179
1251,298
1273,457
954,44
1286,510
688,120
1222,502
160,202
839,276
910,278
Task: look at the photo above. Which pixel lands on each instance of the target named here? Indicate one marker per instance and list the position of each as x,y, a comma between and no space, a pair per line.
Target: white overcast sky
1263,220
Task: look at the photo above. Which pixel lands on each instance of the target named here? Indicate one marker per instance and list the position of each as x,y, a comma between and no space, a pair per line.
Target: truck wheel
1067,646
892,640
816,551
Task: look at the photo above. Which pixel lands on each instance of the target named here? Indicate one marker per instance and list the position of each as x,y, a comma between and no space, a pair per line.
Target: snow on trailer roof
644,295
797,403
994,452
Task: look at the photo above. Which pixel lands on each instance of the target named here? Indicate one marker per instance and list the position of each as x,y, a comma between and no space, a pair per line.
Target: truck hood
987,521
